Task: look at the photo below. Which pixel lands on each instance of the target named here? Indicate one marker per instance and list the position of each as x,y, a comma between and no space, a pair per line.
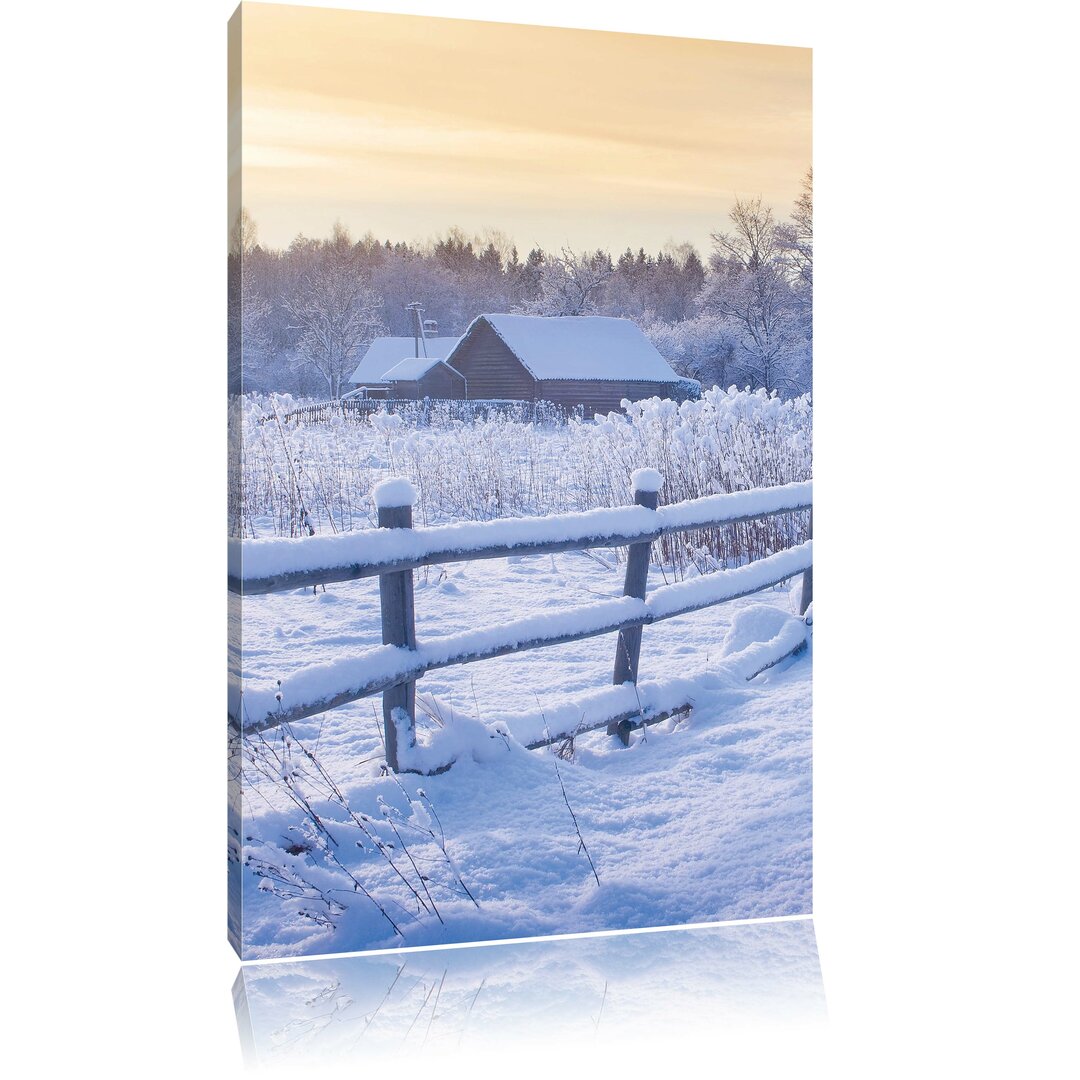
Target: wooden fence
394,671
426,410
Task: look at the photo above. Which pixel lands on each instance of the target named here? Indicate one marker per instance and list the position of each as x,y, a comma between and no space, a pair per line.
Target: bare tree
336,311
244,234
797,239
754,242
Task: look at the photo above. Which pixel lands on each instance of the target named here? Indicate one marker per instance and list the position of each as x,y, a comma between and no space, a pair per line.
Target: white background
945,387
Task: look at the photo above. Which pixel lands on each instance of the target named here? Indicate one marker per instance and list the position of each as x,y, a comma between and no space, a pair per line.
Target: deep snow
704,818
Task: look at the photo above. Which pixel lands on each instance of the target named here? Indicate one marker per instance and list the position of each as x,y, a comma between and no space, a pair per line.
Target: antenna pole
418,327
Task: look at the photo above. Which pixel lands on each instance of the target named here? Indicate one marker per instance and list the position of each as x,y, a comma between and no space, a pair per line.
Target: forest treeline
301,318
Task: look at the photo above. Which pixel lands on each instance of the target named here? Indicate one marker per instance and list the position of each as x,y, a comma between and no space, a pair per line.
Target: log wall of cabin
441,382
491,369
404,390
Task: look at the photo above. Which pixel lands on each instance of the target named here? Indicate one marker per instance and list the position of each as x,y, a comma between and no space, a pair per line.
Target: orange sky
407,125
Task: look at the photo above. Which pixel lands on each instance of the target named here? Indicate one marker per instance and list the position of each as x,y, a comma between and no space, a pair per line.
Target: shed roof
580,347
383,353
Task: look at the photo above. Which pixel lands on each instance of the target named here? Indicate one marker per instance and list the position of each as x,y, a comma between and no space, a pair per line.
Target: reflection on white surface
580,991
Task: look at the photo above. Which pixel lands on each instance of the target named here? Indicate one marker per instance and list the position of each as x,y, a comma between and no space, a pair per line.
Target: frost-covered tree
525,283
249,308
702,348
255,313
750,288
644,287
570,284
336,311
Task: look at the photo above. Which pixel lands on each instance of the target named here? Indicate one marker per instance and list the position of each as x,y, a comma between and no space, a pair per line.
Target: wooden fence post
646,484
394,500
808,576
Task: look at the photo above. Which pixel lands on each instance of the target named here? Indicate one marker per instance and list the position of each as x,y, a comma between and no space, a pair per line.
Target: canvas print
520,496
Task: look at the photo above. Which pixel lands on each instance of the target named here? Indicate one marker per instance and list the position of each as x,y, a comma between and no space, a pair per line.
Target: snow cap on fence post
646,480
393,493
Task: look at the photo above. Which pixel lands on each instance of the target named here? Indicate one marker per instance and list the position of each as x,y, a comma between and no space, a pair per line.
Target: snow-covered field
703,817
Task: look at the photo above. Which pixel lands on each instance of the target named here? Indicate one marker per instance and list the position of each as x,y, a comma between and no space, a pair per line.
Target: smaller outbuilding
425,377
386,352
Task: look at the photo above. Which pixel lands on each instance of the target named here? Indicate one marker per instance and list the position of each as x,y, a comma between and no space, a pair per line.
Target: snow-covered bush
728,440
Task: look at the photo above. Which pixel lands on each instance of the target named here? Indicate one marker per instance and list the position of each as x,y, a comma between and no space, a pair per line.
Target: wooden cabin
425,377
586,361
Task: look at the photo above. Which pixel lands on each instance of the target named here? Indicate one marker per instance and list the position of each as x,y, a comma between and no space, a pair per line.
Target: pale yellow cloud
405,126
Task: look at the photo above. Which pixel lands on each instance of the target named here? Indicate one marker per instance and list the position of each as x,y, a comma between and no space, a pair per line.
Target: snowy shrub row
295,477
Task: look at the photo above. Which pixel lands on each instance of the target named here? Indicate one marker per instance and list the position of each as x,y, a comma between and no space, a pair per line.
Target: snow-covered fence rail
274,564
394,550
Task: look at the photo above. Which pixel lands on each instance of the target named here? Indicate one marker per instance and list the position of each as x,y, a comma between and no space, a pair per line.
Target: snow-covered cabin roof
383,353
412,368
581,347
